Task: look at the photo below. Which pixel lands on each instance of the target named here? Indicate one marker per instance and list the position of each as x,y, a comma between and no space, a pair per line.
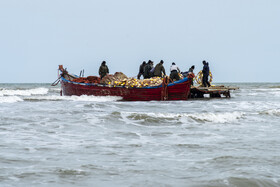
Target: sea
52,140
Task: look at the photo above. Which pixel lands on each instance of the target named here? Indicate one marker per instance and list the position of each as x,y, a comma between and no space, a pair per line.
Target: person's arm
178,70
204,69
163,70
107,70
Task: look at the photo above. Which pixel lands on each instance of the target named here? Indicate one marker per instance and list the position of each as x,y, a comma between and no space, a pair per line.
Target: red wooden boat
178,90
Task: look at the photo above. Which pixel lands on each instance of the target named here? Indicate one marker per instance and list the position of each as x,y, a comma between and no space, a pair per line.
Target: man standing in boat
147,70
141,70
103,70
174,70
205,72
159,69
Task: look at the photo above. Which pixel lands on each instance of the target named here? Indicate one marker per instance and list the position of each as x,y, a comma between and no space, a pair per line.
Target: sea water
52,140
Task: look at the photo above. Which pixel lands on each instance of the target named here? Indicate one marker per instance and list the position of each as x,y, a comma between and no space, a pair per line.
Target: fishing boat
177,90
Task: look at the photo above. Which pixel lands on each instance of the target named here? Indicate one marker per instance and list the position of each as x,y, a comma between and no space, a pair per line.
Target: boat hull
178,90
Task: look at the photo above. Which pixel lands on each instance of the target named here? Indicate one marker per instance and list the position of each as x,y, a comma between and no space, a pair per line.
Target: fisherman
152,70
159,69
205,72
141,70
185,74
103,70
147,70
191,69
174,70
191,72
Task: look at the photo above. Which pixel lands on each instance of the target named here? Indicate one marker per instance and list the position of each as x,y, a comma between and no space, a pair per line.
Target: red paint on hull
176,91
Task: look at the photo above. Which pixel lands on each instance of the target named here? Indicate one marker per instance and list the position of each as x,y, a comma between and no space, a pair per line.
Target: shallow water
53,140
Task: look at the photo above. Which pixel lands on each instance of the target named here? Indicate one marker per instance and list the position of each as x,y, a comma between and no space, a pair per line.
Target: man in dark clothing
147,70
159,69
103,70
141,70
191,69
205,72
185,74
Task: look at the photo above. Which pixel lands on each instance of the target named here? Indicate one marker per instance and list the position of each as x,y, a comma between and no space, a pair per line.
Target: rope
164,90
56,82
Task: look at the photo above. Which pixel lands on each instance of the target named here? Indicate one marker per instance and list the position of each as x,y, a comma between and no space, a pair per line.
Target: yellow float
199,76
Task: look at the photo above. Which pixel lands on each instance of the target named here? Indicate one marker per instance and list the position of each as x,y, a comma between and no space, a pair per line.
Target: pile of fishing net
89,79
132,82
120,79
108,79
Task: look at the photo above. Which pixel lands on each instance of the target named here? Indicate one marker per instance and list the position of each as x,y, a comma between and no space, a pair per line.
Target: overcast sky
239,38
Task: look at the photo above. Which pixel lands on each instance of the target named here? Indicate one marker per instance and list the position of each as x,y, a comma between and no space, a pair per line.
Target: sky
239,38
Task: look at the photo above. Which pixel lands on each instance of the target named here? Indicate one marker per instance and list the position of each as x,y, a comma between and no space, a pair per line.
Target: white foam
95,98
219,117
35,91
273,112
76,98
224,117
56,89
10,99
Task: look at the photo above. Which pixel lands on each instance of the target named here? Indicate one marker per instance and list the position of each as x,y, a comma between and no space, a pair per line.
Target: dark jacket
205,69
141,68
103,70
147,69
158,69
190,70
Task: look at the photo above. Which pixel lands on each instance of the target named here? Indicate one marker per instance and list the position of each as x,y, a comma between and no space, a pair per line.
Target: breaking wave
243,182
73,98
10,99
28,92
271,112
224,117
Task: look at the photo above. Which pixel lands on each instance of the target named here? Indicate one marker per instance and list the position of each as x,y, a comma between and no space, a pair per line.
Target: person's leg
177,76
171,76
207,82
204,80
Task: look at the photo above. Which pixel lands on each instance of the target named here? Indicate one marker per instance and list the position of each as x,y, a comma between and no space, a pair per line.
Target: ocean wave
28,92
242,182
73,98
10,99
271,112
72,172
223,117
274,87
57,90
218,117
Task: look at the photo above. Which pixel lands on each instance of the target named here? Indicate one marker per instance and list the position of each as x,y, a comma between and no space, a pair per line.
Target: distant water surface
53,140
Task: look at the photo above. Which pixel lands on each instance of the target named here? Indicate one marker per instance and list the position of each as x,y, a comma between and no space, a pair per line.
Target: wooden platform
213,91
